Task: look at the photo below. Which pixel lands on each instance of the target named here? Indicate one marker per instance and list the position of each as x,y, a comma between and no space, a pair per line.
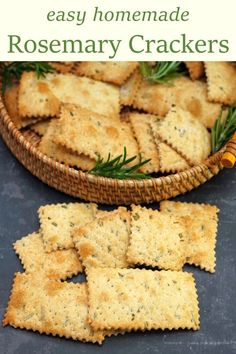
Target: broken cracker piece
50,306
55,265
115,72
201,222
195,69
132,299
58,220
156,239
104,241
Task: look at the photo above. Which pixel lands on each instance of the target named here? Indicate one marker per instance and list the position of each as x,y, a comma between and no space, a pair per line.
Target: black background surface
20,196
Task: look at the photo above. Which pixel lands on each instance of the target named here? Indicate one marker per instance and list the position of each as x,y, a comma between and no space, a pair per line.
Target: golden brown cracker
195,69
129,89
156,239
221,82
57,221
98,135
55,265
115,72
51,307
132,299
62,67
40,127
185,134
201,222
104,241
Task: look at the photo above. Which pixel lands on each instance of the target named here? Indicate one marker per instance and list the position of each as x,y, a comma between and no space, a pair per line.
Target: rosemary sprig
163,72
15,69
117,167
223,129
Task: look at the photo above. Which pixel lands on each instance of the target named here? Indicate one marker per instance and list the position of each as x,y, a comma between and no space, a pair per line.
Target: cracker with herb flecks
147,147
156,239
183,92
201,222
11,102
195,69
55,265
132,299
221,82
51,307
185,134
44,96
60,153
104,241
98,135
57,221
115,72
41,127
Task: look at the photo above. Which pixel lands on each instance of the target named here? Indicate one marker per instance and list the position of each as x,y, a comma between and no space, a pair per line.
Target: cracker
55,265
147,147
63,67
201,221
129,89
195,69
58,220
45,96
11,99
132,299
115,72
185,134
98,135
60,153
51,307
157,239
40,127
187,94
104,241
221,81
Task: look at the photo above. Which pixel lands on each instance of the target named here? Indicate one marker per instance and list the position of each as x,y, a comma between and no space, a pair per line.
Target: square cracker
45,96
50,306
132,299
104,241
156,239
195,69
58,220
55,265
147,147
129,89
201,222
98,135
115,72
183,92
11,102
185,134
60,153
221,82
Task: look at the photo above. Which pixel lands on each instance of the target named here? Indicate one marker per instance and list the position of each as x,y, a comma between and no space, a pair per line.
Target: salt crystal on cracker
201,222
58,220
132,299
110,71
104,241
44,96
156,239
221,82
50,306
98,135
55,265
185,134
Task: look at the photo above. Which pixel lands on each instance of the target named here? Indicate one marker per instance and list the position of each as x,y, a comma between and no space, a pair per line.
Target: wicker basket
99,189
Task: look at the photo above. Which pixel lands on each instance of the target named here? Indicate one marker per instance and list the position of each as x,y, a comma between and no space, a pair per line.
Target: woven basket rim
210,161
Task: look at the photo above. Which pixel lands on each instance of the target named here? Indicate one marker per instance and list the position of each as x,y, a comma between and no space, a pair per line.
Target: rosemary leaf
223,129
118,167
163,72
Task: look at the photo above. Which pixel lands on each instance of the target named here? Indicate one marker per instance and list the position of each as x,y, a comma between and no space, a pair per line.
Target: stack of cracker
112,248
79,117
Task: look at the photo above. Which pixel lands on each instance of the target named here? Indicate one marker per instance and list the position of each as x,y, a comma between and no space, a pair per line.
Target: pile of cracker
120,252
92,109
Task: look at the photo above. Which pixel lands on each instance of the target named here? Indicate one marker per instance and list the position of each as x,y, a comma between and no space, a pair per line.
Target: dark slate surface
20,196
